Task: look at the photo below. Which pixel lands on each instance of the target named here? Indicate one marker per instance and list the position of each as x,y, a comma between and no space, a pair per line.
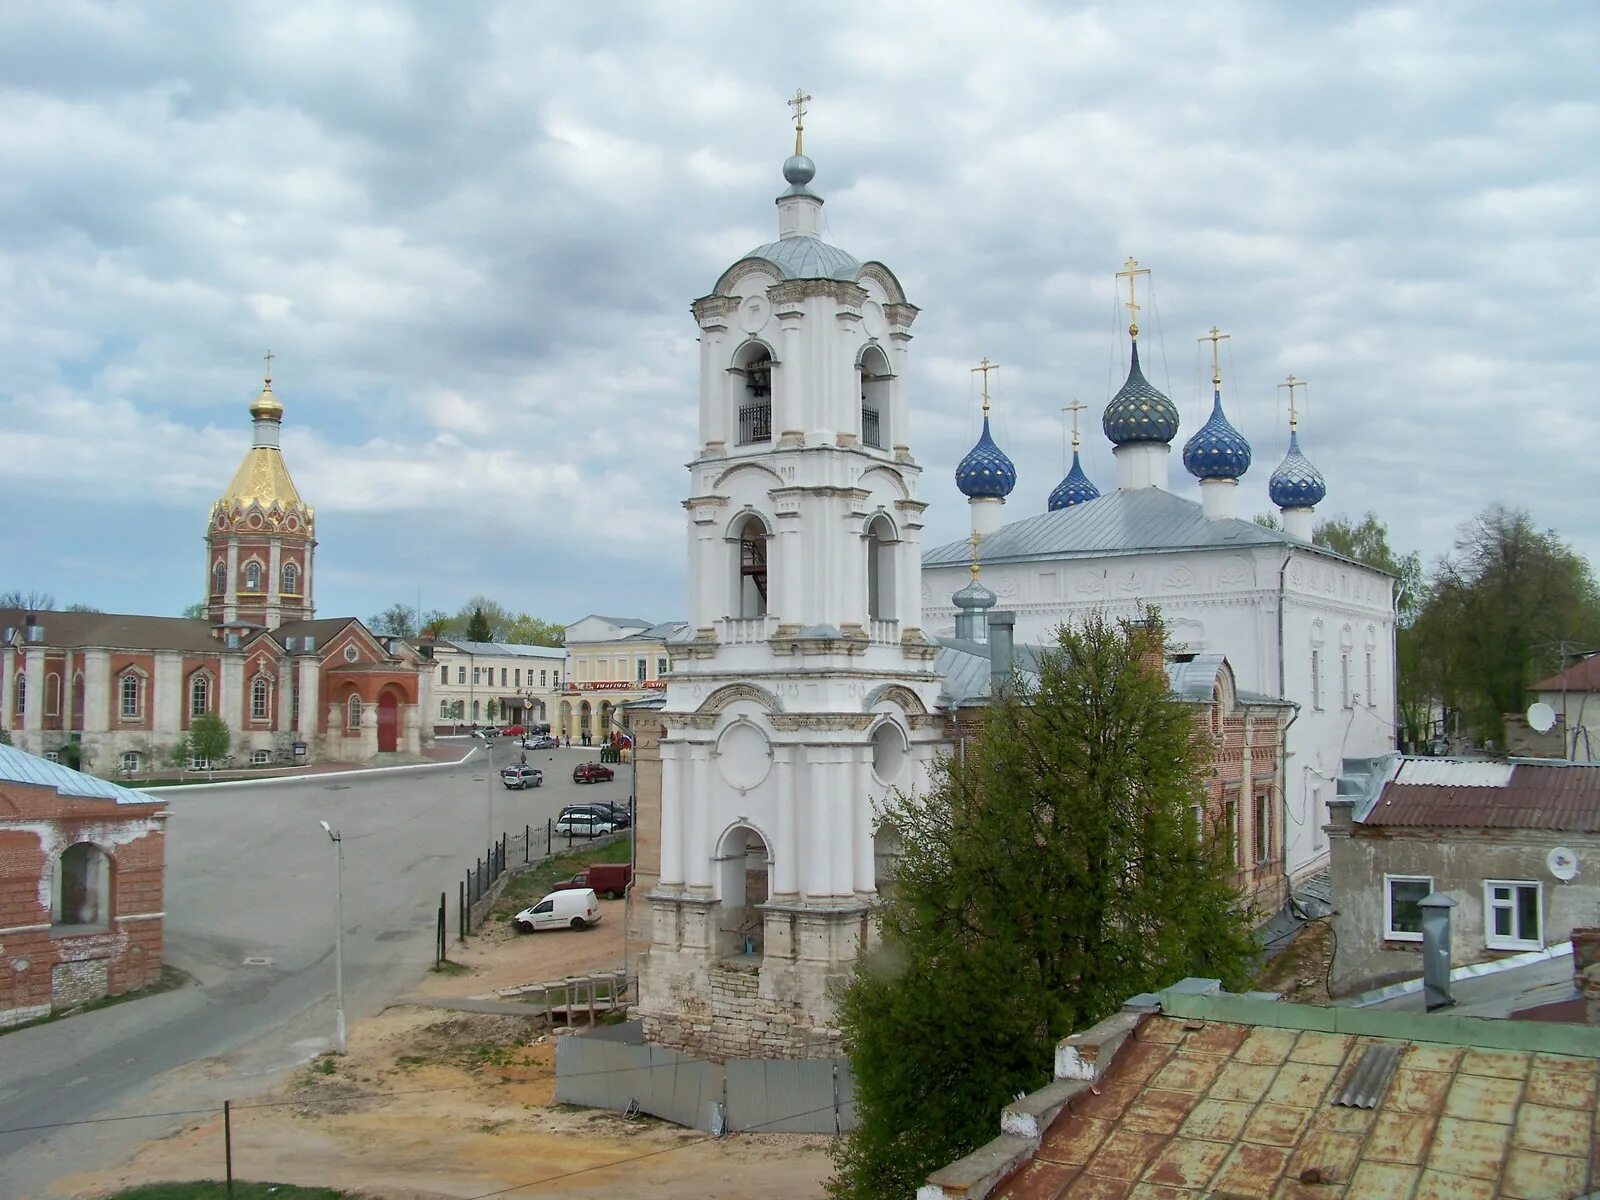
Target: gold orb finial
265,407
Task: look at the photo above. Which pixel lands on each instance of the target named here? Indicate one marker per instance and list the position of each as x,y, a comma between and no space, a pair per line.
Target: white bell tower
806,691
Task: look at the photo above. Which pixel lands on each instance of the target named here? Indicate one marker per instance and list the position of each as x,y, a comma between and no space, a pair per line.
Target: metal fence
742,1095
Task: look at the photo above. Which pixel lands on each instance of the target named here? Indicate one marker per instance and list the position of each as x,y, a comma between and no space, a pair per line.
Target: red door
388,721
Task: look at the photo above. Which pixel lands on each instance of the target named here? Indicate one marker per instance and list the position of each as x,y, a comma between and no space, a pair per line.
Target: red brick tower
260,541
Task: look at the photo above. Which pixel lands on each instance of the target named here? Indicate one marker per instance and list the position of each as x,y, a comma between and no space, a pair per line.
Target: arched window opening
130,694
83,886
887,847
881,544
750,580
52,695
755,404
744,863
199,694
291,579
352,715
77,700
21,693
252,577
219,578
260,698
874,399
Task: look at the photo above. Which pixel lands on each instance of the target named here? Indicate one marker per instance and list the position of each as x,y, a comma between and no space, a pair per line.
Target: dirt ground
1300,971
431,1103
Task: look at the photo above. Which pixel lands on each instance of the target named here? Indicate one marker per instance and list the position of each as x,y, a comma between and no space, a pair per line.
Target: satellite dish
1563,863
1541,717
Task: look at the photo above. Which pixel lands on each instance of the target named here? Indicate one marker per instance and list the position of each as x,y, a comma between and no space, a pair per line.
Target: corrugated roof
1370,1080
1564,797
663,632
17,766
1579,677
1141,521
1454,772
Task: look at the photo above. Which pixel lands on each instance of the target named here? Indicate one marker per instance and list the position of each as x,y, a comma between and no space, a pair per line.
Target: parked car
620,816
584,825
592,772
513,731
488,733
517,777
542,742
578,908
609,879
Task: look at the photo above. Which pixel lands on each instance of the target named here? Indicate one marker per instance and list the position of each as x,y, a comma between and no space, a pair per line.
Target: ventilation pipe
1002,624
1436,908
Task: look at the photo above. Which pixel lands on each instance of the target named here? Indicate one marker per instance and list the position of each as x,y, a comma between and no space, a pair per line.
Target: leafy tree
436,624
479,628
534,631
1367,541
5,737
1050,873
209,738
34,601
1267,520
491,710
198,611
400,620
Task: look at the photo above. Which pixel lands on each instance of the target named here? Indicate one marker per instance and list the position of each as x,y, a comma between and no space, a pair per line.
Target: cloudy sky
470,233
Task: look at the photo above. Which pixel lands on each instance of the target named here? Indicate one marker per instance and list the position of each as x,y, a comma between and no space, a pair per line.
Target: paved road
250,875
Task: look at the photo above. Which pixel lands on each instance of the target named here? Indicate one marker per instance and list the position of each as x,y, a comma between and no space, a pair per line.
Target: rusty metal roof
1581,676
1562,797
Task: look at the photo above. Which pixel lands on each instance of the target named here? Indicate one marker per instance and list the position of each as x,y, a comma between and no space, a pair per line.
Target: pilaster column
8,671
274,584
97,690
230,599
786,855
698,852
230,691
815,881
861,823
33,700
672,814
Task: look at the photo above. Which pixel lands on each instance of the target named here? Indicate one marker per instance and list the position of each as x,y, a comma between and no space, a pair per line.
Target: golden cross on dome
1132,270
1215,336
270,357
973,541
1291,384
1076,407
798,102
985,367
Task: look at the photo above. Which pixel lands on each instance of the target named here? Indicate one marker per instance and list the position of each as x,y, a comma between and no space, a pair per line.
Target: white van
576,908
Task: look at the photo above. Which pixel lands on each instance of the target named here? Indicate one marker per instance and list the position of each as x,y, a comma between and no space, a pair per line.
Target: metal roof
1583,676
965,667
666,631
17,766
804,256
1120,522
1557,796
505,649
1197,678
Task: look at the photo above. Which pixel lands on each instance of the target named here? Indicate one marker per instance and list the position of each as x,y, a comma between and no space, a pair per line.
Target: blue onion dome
1218,451
1296,483
986,472
1074,489
1139,413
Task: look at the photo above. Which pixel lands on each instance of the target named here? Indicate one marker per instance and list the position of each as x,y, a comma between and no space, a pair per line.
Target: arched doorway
744,866
585,722
388,721
565,728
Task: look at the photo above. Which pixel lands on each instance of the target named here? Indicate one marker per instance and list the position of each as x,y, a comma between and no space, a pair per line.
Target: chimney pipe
1002,658
1436,908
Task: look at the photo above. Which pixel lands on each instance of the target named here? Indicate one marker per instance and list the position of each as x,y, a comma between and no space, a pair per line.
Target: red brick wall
120,661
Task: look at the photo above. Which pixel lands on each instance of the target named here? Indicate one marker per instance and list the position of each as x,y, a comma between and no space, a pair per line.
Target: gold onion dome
265,407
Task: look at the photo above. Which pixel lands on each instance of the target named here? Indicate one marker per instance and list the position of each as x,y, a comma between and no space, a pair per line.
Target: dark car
621,817
542,742
592,772
517,777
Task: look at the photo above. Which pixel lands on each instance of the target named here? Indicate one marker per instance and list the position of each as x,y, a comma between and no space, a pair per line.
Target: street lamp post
338,936
633,835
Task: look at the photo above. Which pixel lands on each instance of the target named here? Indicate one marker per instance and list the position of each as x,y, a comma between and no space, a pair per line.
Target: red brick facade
53,960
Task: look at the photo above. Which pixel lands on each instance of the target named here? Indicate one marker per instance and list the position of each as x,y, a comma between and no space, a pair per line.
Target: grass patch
212,1189
533,885
170,979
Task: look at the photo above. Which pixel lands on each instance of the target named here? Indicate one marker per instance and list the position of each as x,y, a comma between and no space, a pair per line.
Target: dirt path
431,1104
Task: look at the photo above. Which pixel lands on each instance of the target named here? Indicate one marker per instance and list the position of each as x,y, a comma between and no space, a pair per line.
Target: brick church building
114,693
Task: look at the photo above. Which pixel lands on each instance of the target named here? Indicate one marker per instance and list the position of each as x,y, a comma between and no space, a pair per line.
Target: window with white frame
444,675
542,677
130,762
1402,906
352,713
1262,827
641,666
502,677
461,675
260,758
260,698
199,694
219,579
21,693
1511,915
661,668
131,691
197,763
444,709
477,676
291,579
516,677
252,577
555,680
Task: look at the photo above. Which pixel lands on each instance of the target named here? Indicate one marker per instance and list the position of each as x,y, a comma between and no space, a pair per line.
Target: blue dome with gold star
1139,413
1074,489
1218,450
1296,483
986,472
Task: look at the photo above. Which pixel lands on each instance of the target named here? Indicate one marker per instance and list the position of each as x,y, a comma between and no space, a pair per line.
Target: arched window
881,546
352,713
291,578
252,577
130,695
219,578
754,366
477,711
199,694
874,399
750,568
77,700
444,710
260,698
52,694
21,702
82,893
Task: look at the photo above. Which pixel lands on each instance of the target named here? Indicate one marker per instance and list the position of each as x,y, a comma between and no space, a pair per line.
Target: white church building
1297,622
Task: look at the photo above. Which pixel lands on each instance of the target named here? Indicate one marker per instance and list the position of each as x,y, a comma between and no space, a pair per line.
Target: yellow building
610,662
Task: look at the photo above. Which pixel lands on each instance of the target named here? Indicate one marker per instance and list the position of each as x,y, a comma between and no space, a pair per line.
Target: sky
470,235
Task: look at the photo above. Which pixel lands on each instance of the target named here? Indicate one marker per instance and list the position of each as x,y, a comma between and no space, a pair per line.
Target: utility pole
338,936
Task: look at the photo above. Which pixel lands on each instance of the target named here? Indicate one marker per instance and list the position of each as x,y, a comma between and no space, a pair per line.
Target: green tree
5,737
198,611
491,710
436,624
209,738
534,631
478,626
1052,871
399,620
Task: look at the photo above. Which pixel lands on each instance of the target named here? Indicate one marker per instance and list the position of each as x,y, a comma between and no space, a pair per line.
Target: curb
186,788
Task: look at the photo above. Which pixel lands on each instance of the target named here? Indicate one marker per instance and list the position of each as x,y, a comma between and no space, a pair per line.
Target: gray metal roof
17,766
807,257
504,649
965,667
1195,679
666,631
1120,522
